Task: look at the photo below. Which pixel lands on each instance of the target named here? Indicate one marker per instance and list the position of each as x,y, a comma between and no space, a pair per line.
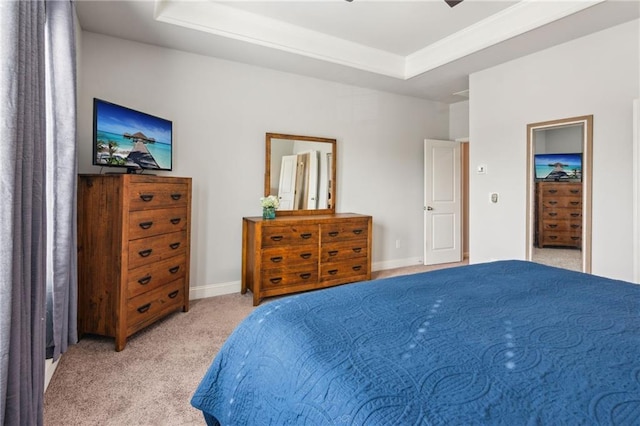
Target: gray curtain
22,226
61,178
23,206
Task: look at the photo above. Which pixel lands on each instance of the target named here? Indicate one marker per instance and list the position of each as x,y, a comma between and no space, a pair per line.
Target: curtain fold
23,221
37,193
61,172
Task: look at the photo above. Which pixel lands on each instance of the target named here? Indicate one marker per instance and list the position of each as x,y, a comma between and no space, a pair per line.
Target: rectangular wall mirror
559,159
301,172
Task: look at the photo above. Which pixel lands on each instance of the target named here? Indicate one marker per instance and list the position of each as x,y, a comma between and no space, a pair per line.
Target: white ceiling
419,48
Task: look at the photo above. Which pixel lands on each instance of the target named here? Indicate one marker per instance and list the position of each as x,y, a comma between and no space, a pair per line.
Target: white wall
597,74
459,120
221,111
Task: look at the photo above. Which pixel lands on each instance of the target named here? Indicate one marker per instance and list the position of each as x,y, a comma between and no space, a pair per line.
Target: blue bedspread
508,342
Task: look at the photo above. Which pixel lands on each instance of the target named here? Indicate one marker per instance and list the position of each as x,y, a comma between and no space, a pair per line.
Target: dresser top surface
310,218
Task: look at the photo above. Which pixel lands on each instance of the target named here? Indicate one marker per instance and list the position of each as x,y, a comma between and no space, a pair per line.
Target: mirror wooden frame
587,178
333,182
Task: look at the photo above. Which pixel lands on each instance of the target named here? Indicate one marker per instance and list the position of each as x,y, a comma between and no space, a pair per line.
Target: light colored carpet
152,380
567,258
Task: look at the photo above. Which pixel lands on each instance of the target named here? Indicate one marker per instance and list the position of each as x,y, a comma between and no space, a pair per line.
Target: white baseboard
211,290
49,369
396,263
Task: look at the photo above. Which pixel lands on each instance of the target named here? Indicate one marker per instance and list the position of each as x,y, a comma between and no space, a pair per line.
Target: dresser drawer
562,189
157,195
289,235
145,223
341,231
149,277
562,225
289,277
153,249
337,251
559,213
563,202
345,271
562,238
148,306
278,257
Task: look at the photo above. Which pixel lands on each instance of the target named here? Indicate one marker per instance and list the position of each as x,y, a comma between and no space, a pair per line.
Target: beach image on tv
131,139
558,166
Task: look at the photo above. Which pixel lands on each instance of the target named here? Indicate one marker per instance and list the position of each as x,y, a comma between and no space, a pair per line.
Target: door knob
429,208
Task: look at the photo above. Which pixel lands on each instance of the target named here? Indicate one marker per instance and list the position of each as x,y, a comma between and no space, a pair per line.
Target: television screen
558,167
123,137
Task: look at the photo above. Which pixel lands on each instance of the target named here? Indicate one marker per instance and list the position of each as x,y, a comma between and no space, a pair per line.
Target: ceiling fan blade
452,3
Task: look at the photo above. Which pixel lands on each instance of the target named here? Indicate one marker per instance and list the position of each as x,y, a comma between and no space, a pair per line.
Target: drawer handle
357,267
357,231
357,249
144,308
305,255
305,236
553,237
553,226
575,238
175,220
276,259
574,191
146,197
575,203
145,253
145,225
173,294
305,275
145,280
553,203
575,214
575,226
553,191
174,245
333,252
333,233
333,272
275,280
174,269
277,238
176,196
553,214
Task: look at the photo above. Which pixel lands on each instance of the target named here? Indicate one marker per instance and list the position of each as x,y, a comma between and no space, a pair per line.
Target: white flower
270,201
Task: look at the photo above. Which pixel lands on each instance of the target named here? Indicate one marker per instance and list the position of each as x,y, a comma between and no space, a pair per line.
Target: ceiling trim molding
234,23
230,22
508,23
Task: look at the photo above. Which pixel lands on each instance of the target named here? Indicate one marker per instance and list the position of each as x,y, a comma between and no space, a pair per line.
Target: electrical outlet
494,197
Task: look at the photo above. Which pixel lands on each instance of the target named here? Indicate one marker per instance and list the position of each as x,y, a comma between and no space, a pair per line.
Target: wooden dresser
133,252
559,214
298,253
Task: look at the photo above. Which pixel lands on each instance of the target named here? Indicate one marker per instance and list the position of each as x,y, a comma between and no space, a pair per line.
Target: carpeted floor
151,381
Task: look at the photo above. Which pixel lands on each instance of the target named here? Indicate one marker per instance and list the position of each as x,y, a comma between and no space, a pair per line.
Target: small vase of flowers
269,206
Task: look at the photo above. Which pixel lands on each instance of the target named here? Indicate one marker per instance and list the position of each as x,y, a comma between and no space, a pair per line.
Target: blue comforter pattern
509,342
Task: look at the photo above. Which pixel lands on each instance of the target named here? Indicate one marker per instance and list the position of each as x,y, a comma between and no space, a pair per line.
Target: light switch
481,169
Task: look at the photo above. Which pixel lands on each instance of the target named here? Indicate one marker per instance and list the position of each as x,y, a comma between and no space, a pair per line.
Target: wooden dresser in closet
133,252
559,214
298,253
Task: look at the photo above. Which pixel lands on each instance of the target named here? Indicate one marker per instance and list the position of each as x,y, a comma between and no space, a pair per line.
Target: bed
508,342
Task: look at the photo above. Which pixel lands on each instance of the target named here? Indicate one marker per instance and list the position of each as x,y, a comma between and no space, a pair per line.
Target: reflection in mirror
301,172
559,193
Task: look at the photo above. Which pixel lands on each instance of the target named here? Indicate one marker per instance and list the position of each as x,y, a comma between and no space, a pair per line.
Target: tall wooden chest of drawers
298,253
559,214
133,252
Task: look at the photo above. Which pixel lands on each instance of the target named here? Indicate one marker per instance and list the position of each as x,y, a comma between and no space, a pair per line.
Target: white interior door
287,184
442,209
312,170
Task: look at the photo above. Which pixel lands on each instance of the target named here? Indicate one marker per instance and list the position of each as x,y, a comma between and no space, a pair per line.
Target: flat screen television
558,167
123,137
